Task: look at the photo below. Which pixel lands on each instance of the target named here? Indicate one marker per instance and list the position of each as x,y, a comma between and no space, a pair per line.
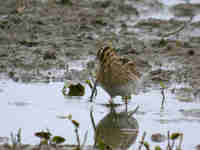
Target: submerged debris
73,89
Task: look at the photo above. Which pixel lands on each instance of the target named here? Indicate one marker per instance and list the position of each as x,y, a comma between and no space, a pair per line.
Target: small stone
198,147
191,52
50,54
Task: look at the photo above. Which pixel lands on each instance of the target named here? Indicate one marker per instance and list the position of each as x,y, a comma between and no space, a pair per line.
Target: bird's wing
130,66
122,71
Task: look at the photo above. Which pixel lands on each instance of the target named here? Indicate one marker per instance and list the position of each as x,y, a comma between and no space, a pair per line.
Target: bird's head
105,52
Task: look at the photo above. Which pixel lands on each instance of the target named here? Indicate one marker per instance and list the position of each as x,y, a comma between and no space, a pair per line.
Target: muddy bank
53,41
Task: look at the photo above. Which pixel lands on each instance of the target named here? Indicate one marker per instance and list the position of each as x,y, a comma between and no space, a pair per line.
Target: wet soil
42,40
40,43
54,41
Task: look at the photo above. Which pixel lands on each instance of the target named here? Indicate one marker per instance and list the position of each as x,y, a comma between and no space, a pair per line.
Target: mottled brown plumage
115,74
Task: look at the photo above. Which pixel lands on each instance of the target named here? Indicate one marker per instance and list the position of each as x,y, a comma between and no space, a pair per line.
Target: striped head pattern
104,53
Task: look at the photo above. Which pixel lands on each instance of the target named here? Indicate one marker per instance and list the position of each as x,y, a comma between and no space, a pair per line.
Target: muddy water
28,106
51,42
36,107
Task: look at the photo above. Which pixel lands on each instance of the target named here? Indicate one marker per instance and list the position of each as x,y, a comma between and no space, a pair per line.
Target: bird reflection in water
116,131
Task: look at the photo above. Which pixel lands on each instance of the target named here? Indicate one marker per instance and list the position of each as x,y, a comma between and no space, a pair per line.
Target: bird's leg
93,91
126,103
126,98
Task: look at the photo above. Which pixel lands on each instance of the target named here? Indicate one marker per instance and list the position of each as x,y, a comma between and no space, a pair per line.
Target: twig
94,126
174,32
77,137
92,120
180,142
93,91
168,139
163,97
142,141
16,140
173,143
179,29
84,140
133,112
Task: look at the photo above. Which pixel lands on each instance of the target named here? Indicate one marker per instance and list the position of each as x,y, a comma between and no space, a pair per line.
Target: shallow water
35,107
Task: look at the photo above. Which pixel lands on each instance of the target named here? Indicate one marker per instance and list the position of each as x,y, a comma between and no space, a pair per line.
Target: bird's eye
102,51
